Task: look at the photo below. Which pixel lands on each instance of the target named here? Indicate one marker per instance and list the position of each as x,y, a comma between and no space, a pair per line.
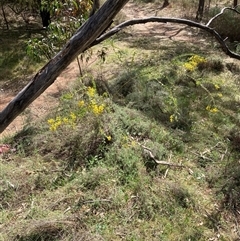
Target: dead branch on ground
149,152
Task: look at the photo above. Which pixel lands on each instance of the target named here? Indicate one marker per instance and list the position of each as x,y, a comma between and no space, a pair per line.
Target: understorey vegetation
143,145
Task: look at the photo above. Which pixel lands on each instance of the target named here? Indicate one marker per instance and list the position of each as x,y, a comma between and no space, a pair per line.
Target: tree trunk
235,3
200,10
165,4
45,16
79,42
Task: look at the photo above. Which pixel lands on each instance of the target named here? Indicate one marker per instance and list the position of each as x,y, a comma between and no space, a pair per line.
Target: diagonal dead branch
45,77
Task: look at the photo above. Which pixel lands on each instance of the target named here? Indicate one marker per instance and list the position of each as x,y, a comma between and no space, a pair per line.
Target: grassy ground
144,147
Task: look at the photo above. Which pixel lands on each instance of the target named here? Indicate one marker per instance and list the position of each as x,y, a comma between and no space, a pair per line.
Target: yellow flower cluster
173,118
193,62
54,124
217,87
91,92
212,109
95,108
108,137
91,105
81,103
128,142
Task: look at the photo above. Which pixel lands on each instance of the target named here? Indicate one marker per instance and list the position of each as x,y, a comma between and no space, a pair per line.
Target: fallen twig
147,150
177,32
209,150
94,201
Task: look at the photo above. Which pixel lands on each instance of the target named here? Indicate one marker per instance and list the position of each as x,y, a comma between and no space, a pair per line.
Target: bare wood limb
165,174
79,42
151,155
223,155
79,66
203,156
206,28
148,150
221,12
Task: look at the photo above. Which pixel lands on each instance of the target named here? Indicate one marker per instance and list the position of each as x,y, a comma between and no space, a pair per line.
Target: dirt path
49,99
158,30
44,103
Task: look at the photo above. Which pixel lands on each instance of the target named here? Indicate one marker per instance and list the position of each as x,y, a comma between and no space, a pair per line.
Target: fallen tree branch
221,12
203,156
190,23
148,150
